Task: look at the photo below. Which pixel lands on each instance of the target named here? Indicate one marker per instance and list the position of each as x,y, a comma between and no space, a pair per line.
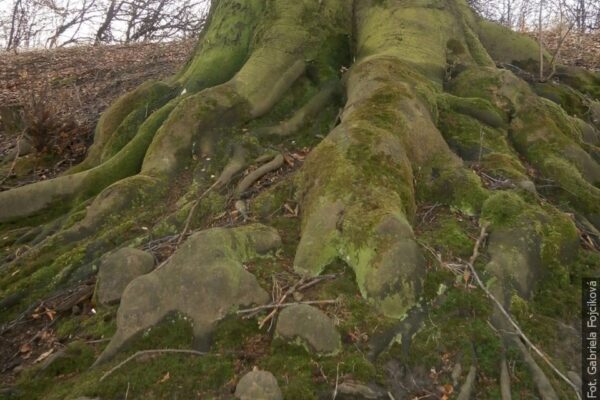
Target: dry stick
520,333
154,351
337,381
188,220
290,290
307,285
557,52
282,305
429,211
316,280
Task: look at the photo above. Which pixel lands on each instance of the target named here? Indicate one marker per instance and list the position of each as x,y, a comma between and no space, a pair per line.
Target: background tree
397,120
57,23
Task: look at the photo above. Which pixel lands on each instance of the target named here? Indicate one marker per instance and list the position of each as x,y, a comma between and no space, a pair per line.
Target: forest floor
577,50
57,97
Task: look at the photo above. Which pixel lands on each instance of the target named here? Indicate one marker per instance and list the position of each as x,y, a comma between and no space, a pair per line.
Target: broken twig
144,352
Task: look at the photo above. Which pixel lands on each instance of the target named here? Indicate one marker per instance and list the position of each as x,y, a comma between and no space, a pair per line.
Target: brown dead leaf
289,160
165,378
43,356
467,276
25,348
448,389
50,314
293,212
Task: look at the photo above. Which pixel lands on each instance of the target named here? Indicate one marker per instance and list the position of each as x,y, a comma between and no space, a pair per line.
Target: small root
542,382
233,167
304,114
258,173
504,380
467,388
191,214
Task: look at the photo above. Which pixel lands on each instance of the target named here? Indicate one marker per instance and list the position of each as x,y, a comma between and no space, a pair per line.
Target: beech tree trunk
406,106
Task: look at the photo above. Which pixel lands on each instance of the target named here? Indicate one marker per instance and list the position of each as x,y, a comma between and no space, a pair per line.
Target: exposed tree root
219,283
468,386
504,380
258,173
304,114
541,380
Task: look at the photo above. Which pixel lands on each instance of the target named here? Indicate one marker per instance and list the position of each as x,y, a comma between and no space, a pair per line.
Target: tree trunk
423,122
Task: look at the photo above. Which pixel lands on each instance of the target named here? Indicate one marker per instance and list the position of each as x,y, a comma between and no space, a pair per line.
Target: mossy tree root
219,283
417,106
358,186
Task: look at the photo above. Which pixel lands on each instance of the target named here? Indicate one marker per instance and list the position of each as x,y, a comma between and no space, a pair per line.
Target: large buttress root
207,276
192,126
357,187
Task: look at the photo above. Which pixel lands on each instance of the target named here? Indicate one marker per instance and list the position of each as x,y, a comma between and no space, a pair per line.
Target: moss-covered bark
437,112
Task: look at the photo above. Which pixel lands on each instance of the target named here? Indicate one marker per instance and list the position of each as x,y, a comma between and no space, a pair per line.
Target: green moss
436,281
503,209
38,283
272,200
587,82
75,358
223,48
457,331
569,99
460,189
559,293
204,376
132,103
477,108
154,99
449,236
573,188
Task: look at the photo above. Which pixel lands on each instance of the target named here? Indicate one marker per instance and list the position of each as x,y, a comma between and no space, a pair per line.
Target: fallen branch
144,352
190,215
337,381
281,305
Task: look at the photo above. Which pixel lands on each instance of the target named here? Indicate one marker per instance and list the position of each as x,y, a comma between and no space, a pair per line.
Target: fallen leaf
448,389
165,378
290,210
466,276
50,314
43,356
25,348
288,160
